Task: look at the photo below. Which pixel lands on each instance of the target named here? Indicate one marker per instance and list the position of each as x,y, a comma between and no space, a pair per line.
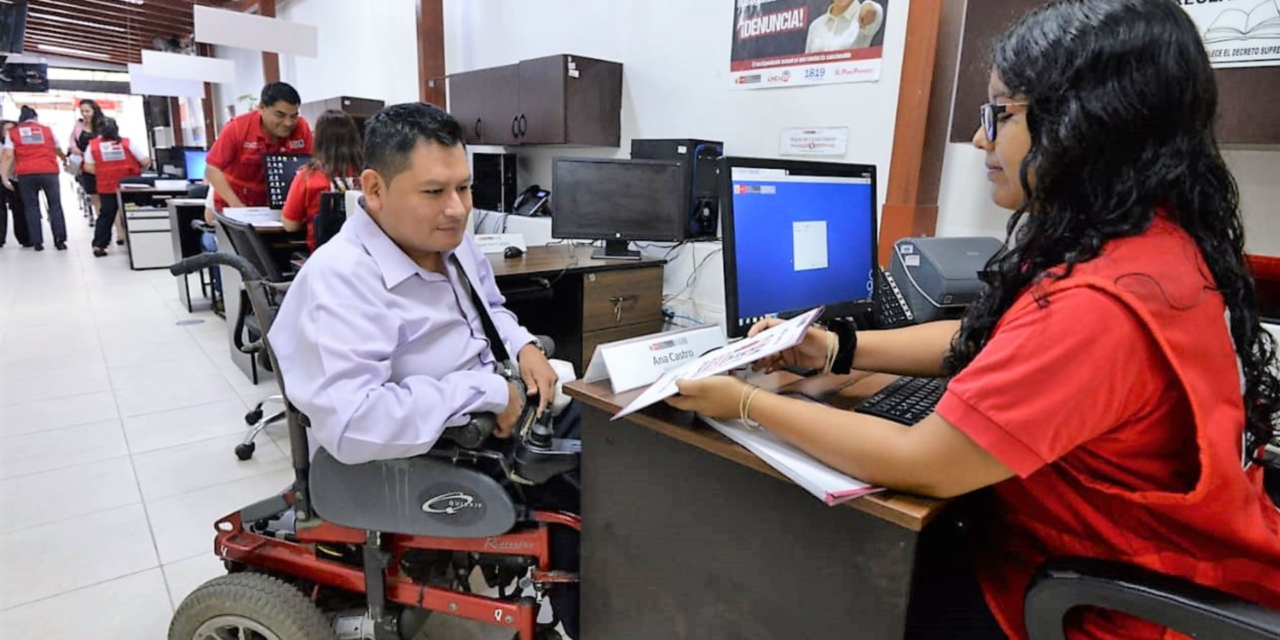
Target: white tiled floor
117,429
116,433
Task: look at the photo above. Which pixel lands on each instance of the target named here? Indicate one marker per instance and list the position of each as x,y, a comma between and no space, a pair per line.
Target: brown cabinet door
486,102
593,102
542,105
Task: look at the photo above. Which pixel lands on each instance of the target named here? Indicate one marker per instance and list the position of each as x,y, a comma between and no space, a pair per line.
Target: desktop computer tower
494,175
698,160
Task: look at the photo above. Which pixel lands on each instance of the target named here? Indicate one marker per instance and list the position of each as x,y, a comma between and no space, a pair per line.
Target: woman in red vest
337,157
111,158
29,149
1113,386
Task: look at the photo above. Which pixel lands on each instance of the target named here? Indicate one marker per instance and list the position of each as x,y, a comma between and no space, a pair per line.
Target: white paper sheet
741,353
825,483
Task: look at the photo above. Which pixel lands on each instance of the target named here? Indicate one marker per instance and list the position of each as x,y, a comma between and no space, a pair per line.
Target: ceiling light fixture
51,48
94,25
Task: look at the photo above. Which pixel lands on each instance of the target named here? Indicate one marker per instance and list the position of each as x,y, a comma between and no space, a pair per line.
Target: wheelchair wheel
250,606
245,451
253,417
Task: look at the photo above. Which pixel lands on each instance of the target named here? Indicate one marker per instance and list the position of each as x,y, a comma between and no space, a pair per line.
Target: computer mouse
512,252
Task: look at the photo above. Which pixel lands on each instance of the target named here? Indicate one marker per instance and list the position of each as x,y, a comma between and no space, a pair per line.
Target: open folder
827,484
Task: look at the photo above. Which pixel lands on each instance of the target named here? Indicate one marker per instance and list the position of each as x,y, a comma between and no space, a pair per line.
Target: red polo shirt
1114,397
238,153
303,202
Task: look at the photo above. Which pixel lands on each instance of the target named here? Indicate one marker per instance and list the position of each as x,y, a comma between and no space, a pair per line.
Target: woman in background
336,161
87,128
111,158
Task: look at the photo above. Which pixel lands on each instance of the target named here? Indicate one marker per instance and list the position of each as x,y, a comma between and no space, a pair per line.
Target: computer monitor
797,235
280,169
617,201
193,162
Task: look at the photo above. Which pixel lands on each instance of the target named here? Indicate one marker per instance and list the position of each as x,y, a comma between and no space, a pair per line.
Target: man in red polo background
235,170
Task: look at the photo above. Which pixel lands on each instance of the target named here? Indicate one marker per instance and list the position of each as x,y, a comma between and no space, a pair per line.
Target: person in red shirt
1113,387
109,158
337,161
30,151
234,166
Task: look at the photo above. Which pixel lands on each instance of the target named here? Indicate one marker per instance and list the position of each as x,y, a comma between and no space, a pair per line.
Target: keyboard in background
906,400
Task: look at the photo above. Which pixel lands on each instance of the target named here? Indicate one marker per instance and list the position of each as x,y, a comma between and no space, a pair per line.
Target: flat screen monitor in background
281,168
617,201
13,27
193,162
797,235
25,78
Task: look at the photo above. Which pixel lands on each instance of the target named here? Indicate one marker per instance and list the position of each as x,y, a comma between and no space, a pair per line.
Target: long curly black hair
1122,103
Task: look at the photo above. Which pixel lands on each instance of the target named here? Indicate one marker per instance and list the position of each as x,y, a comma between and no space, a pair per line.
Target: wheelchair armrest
1188,608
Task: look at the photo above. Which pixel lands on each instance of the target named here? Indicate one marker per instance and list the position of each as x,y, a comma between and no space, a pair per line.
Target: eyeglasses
990,112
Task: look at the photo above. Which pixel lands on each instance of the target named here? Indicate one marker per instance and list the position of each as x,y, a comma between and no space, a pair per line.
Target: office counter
688,535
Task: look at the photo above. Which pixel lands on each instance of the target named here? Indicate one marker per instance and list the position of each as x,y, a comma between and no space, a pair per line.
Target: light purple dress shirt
381,354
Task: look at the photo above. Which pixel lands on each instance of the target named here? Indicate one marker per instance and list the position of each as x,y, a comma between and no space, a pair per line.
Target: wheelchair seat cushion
421,496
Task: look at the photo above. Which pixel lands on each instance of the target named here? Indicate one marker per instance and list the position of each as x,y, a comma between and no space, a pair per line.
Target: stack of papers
256,216
825,483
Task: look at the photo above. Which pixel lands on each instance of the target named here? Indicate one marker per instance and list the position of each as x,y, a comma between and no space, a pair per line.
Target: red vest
112,160
33,149
1225,532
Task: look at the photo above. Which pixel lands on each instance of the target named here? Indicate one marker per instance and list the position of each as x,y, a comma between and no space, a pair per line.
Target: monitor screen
24,77
599,199
280,169
194,162
13,27
797,235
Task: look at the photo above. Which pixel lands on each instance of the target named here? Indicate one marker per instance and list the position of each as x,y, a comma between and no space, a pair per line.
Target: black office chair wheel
248,605
253,417
245,451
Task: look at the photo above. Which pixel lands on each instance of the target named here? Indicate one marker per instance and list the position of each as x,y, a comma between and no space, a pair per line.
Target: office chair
1062,584
1188,608
247,243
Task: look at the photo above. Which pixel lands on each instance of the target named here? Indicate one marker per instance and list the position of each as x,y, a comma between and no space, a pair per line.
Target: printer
936,278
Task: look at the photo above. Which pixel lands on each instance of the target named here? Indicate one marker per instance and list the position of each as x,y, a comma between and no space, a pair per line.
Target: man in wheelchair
384,339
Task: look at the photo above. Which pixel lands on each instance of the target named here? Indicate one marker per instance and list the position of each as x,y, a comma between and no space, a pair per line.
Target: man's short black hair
391,134
275,92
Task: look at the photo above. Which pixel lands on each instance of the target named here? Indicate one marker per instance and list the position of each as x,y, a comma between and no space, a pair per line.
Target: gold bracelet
746,411
742,400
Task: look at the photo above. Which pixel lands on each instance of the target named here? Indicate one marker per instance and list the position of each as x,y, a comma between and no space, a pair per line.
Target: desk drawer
148,224
619,298
594,339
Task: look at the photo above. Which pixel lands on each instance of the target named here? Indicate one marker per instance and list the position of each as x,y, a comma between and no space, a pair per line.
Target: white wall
248,81
676,85
965,208
366,49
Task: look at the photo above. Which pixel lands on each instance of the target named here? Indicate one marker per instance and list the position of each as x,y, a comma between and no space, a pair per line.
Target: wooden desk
688,535
148,226
562,292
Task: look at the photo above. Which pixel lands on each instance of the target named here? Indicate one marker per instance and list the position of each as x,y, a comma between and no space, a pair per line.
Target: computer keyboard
907,400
